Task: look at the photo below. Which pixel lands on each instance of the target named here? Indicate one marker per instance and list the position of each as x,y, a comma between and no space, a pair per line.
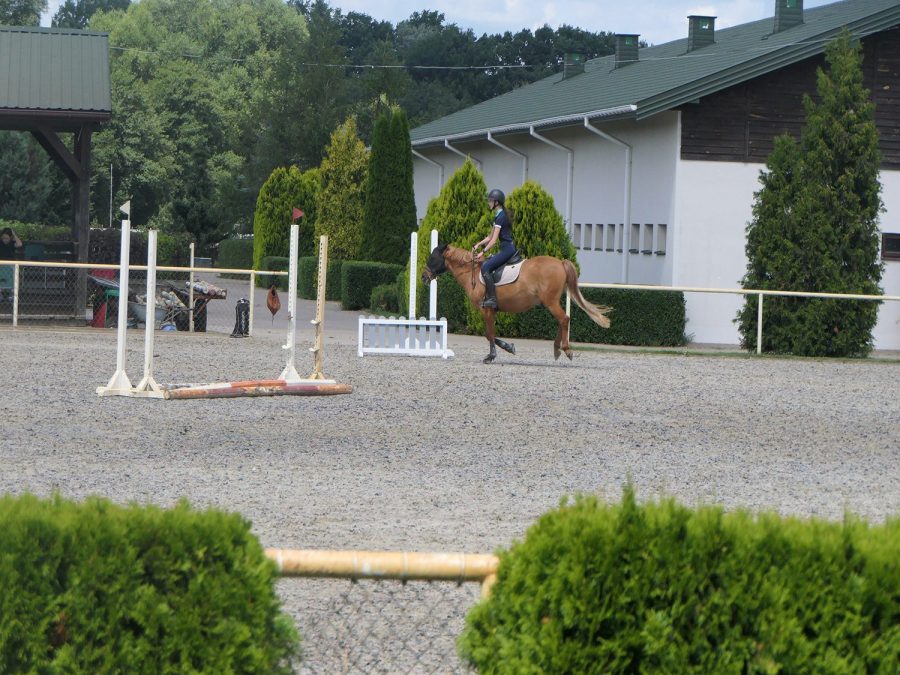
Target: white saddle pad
510,274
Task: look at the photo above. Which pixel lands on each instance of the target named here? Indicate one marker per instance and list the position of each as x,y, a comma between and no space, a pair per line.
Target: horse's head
436,264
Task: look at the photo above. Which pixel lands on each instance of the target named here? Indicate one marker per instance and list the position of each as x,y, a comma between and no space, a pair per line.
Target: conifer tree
285,189
339,208
390,213
815,225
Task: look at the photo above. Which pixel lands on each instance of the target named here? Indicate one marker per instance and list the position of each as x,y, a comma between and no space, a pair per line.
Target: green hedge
645,318
358,278
235,254
308,278
383,299
95,587
273,263
666,589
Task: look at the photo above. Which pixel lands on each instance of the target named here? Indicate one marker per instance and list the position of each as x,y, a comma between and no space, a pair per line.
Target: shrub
663,588
456,214
390,207
95,587
36,232
236,254
815,222
342,196
308,278
384,299
273,263
359,278
285,189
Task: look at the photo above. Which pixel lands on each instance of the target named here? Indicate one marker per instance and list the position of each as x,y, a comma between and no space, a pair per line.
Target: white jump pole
148,386
290,374
119,384
432,286
191,292
413,259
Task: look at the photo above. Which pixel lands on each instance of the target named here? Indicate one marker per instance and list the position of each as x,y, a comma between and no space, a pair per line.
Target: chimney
573,64
626,49
788,13
701,31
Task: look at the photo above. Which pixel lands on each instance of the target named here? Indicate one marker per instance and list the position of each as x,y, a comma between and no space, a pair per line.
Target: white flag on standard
126,208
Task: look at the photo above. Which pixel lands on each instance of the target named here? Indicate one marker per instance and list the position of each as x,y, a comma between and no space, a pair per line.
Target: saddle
508,272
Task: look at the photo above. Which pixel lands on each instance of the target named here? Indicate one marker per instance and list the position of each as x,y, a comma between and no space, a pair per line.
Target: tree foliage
189,82
78,13
21,12
390,209
341,200
209,96
285,189
815,222
32,188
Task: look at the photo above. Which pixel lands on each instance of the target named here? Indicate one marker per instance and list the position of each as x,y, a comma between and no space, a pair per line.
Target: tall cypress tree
390,213
378,203
815,224
341,199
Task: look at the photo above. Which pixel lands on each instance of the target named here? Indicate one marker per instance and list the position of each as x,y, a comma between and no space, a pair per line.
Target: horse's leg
489,333
504,345
562,334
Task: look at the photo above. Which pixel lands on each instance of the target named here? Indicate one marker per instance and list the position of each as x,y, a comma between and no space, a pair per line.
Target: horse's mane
460,256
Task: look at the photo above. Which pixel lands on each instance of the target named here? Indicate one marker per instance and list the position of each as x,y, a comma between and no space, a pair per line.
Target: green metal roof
664,77
54,69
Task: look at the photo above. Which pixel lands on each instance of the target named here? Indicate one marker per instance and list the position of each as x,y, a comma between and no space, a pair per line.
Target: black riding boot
490,292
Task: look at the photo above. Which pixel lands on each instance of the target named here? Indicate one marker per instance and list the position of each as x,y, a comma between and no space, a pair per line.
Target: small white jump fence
407,336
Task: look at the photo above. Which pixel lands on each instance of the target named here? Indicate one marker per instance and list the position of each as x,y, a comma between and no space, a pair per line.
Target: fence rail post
15,295
759,310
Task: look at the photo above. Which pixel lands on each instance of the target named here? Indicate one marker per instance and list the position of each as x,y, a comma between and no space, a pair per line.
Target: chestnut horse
541,281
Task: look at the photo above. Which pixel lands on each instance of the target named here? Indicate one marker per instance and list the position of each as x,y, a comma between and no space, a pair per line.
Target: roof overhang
19,119
619,112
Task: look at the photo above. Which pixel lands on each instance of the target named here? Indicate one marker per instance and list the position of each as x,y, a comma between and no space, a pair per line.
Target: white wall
598,185
713,206
887,331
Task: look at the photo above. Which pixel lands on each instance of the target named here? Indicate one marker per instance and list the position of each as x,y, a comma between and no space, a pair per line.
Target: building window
890,246
647,241
634,240
598,237
576,235
661,239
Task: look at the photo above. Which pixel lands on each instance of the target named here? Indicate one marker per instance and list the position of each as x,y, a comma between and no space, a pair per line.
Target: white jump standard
289,382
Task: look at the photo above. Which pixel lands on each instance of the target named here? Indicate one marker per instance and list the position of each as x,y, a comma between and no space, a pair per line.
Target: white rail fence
760,293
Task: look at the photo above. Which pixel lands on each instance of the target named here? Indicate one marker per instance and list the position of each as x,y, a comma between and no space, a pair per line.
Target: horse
541,281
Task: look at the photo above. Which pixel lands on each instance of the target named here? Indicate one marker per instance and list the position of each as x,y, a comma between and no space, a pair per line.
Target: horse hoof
569,354
488,359
556,354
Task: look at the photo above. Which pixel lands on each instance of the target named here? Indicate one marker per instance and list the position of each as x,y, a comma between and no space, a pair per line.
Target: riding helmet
497,196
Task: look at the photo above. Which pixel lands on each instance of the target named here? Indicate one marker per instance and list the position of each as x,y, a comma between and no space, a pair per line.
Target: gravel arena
435,455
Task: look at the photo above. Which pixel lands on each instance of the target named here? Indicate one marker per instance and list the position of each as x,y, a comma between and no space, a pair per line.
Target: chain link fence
71,294
379,626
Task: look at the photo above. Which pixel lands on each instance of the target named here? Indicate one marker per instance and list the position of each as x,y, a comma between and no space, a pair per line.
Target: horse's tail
597,313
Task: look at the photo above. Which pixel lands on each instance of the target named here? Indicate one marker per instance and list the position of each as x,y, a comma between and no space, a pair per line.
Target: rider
501,230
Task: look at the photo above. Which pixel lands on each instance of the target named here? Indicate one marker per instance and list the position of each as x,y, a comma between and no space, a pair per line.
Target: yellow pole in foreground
401,565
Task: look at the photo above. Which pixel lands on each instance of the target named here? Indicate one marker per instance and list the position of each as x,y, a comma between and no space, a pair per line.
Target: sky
656,21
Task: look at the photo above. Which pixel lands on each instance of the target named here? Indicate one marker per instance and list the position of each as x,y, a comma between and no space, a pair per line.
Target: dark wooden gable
740,124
